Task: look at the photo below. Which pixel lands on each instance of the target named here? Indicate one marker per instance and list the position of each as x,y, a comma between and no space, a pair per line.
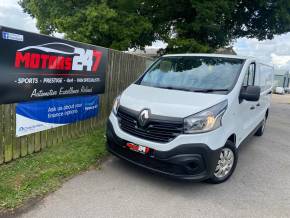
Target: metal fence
122,69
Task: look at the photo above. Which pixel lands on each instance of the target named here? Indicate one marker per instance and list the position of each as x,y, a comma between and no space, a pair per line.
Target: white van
187,115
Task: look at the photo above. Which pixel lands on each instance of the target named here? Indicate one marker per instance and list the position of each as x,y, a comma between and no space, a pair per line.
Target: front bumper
187,161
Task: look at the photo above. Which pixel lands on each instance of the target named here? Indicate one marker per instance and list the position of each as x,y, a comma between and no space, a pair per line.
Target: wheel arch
232,138
267,113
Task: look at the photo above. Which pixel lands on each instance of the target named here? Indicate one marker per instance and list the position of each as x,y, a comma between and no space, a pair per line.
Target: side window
266,77
249,79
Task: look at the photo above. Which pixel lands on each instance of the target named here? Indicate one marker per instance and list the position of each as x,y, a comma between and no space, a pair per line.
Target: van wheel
261,129
226,164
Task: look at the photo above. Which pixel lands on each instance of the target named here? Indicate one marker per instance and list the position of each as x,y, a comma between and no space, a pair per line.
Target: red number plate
138,148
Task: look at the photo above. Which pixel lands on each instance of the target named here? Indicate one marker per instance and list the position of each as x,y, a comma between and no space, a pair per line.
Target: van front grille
157,130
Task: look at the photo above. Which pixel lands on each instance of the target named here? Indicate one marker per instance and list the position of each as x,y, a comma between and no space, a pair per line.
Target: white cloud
280,61
8,3
275,51
12,15
157,44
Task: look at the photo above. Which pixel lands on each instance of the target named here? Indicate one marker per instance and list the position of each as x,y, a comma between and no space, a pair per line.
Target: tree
116,25
186,25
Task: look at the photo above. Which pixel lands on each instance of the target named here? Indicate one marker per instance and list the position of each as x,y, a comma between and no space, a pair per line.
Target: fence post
1,135
7,133
15,140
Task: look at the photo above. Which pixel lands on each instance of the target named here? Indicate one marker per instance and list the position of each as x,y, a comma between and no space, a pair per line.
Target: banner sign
41,115
34,66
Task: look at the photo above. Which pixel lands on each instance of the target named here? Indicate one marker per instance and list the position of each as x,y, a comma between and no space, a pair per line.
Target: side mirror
250,93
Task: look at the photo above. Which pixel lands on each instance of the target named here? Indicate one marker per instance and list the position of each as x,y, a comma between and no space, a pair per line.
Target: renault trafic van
187,115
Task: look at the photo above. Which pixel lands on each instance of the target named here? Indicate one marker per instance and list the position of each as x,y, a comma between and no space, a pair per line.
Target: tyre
261,129
226,164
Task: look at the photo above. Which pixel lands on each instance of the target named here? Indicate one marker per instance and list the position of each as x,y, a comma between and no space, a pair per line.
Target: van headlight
206,120
116,105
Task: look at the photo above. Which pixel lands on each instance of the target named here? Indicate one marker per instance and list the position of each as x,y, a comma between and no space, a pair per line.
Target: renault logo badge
144,117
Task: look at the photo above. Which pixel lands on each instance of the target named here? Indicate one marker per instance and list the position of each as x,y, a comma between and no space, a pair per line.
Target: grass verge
38,174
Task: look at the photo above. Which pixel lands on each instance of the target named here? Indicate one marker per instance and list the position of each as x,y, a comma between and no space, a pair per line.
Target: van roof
219,55
209,55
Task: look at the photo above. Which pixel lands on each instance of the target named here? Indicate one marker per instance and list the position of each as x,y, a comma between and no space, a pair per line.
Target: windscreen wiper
210,90
175,88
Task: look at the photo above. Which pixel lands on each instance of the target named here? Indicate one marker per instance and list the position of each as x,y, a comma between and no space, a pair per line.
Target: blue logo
12,36
5,35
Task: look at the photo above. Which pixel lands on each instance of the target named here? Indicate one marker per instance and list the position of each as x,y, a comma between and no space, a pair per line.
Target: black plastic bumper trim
187,162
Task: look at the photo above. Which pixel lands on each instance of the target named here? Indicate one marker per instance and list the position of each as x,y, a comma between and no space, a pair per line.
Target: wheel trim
225,163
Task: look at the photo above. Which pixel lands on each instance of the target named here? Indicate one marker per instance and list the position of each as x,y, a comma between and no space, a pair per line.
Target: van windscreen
192,73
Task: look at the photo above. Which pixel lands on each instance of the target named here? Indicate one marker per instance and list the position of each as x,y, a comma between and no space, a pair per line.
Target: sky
275,51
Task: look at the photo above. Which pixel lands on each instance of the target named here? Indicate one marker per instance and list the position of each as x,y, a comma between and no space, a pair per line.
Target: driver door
248,114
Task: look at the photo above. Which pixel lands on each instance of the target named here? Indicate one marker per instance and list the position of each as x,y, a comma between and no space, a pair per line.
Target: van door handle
252,107
258,105
269,93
